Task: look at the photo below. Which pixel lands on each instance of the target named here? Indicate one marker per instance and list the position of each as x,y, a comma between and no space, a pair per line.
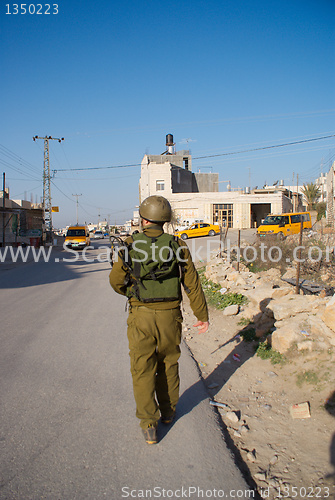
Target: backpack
154,273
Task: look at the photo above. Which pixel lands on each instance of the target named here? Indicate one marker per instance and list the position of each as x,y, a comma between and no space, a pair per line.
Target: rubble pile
307,321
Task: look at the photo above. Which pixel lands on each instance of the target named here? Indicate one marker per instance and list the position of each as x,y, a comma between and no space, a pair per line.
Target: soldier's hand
202,326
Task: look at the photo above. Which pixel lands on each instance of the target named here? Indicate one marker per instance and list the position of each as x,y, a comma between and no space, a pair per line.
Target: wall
206,182
181,180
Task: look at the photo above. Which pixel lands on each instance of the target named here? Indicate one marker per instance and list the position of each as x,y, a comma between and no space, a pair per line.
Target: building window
160,186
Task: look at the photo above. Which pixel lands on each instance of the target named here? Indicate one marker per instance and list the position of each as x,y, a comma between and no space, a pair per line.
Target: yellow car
198,229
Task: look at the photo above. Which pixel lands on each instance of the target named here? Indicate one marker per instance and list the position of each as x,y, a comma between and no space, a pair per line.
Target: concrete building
321,182
20,220
196,196
330,215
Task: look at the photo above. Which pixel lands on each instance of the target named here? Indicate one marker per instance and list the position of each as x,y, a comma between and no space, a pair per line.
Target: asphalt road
67,424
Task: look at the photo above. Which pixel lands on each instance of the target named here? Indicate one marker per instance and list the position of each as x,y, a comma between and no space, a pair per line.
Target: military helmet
156,209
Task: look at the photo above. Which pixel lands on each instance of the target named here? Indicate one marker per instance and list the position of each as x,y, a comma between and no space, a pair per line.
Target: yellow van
283,225
77,237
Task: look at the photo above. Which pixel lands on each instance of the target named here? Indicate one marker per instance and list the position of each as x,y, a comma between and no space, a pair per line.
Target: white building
196,195
331,196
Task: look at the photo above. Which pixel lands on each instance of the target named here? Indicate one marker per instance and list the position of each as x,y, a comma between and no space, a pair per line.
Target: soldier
149,272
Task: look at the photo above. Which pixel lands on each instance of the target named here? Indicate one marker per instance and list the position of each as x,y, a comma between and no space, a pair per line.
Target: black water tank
169,140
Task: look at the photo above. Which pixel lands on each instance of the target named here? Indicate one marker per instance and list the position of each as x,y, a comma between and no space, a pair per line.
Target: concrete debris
231,415
300,410
218,405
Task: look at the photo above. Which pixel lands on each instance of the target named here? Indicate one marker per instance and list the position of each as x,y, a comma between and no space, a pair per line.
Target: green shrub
265,351
248,334
217,299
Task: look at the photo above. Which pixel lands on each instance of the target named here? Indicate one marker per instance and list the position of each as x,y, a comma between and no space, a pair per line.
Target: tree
311,193
321,209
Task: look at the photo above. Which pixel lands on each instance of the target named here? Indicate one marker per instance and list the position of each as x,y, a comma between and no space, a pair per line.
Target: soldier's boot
150,434
167,419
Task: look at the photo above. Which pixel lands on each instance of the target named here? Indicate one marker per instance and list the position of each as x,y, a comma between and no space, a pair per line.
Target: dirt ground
286,457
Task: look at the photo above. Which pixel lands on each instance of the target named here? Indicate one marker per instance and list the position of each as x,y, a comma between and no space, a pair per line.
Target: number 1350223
32,8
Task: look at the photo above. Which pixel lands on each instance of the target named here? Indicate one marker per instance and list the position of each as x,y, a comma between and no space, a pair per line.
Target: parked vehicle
283,225
198,229
77,237
97,235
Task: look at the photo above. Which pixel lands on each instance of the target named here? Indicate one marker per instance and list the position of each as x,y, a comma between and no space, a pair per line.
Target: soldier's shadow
209,386
330,407
240,353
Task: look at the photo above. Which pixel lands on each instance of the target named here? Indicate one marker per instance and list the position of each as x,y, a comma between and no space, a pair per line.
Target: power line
97,168
14,157
207,156
265,147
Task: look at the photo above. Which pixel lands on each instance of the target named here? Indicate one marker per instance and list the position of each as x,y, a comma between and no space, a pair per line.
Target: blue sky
113,78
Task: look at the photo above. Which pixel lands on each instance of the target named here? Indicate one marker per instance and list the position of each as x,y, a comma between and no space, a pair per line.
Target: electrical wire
207,156
265,147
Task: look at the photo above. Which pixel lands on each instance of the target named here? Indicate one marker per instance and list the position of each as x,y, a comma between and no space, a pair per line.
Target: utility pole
3,210
297,206
249,185
293,193
77,196
46,203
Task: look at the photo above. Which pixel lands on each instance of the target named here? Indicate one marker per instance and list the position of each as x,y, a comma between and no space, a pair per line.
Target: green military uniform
154,335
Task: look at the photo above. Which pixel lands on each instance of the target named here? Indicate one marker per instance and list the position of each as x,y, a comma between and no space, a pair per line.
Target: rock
306,345
274,460
273,482
213,386
243,429
328,316
271,274
259,297
250,312
282,292
237,434
263,329
232,276
291,305
240,281
231,415
231,310
290,274
285,335
251,456
319,327
261,476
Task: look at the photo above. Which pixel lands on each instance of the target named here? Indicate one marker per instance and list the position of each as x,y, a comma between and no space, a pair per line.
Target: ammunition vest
153,271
